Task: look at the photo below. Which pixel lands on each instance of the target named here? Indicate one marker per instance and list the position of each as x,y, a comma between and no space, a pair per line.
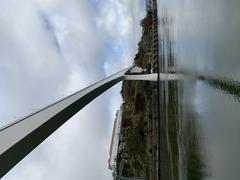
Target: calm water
200,128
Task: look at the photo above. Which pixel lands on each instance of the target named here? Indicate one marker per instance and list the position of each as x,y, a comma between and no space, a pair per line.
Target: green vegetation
136,96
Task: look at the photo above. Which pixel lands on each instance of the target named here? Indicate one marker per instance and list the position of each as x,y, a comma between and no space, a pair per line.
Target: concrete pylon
19,138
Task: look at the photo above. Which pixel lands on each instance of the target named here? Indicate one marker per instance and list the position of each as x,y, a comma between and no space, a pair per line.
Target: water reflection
194,156
200,126
228,86
182,154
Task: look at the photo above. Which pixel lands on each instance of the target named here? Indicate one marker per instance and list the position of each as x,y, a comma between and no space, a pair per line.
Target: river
200,115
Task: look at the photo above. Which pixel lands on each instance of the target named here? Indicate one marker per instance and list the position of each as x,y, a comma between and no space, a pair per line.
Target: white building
115,140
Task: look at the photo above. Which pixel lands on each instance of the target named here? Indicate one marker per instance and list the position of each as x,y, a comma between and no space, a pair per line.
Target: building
115,140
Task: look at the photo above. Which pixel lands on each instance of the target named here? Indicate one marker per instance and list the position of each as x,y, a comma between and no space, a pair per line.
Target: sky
52,48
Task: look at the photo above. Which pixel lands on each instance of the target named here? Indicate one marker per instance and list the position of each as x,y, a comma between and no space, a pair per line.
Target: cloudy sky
51,48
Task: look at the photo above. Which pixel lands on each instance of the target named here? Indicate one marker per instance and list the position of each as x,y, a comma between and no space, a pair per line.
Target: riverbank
138,143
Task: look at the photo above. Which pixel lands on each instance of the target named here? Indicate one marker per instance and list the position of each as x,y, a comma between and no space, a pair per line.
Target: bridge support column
19,138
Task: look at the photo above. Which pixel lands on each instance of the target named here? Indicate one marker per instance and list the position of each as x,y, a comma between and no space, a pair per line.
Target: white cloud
119,21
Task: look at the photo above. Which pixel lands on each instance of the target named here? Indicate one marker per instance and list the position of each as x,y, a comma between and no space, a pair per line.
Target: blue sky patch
118,49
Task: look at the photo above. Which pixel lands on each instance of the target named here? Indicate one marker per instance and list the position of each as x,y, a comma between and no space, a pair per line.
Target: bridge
154,77
19,138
